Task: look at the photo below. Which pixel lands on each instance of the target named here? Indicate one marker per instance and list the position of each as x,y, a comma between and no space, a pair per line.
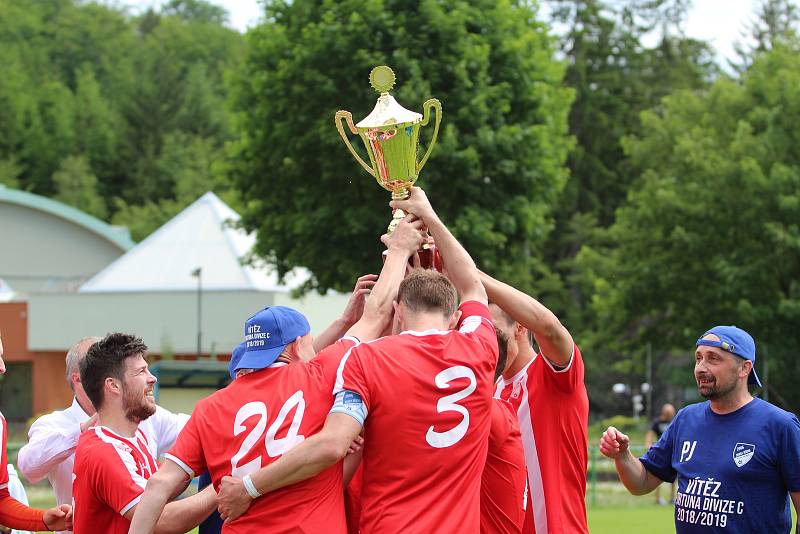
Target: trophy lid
386,111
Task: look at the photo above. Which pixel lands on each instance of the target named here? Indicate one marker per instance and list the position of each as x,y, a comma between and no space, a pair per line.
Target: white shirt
50,451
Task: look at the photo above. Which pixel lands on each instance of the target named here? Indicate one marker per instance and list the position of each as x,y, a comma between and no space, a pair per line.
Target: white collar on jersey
431,332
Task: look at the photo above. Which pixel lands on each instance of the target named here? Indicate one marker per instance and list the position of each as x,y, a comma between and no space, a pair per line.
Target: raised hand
417,203
614,443
355,306
409,235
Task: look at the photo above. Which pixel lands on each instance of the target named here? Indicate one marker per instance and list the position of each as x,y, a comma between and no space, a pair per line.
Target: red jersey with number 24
428,396
251,423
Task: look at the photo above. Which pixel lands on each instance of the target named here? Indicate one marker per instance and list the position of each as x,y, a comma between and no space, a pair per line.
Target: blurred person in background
659,426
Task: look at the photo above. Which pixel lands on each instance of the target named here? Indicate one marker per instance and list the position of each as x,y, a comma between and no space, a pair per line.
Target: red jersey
108,478
251,423
428,396
504,477
553,412
3,457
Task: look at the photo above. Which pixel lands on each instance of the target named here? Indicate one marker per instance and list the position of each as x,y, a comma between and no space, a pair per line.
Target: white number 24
275,446
450,437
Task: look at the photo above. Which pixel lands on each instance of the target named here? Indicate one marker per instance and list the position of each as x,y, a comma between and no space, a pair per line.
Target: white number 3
275,446
450,437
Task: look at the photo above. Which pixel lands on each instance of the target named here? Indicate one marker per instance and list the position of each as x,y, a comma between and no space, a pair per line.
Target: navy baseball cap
267,333
736,341
236,355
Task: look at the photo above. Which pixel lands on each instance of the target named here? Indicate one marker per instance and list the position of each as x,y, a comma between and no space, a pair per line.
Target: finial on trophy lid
381,78
387,111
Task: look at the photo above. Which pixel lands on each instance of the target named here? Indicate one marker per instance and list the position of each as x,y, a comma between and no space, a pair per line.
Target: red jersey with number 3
109,476
251,423
553,413
428,396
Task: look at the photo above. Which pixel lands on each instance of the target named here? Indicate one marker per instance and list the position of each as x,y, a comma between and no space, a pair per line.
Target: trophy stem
397,216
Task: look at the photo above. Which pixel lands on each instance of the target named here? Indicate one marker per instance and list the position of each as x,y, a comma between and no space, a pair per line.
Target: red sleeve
3,454
329,358
13,513
188,449
353,376
476,322
568,378
116,480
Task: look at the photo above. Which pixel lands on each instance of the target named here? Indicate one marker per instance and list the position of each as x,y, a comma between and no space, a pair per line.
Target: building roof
202,236
118,235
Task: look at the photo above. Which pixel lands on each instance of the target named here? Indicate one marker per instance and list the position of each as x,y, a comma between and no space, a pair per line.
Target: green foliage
77,186
89,93
710,232
494,175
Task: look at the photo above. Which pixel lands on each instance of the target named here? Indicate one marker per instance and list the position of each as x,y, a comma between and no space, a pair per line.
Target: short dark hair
428,291
502,356
105,359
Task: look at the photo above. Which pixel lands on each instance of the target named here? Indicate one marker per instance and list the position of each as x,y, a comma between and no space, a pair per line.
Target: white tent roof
199,236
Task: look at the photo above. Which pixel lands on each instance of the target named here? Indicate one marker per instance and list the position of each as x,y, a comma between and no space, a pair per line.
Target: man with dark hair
14,514
114,459
423,398
736,458
280,397
52,438
546,387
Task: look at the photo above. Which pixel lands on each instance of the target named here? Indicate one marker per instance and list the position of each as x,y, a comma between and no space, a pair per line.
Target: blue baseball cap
236,355
267,333
736,341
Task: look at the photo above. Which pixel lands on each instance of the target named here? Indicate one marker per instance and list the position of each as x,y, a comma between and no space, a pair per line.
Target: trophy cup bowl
390,134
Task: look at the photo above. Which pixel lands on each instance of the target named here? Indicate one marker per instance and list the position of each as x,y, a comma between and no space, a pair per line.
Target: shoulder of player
773,414
55,418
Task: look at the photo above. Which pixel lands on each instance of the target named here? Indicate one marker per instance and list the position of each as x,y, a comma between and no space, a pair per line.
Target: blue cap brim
259,359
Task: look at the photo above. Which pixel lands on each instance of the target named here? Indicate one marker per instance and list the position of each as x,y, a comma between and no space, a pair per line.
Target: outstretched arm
316,453
176,517
553,338
162,487
460,268
400,245
632,473
351,314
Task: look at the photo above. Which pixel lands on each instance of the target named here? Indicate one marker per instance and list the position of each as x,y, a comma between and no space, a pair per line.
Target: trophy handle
348,117
426,109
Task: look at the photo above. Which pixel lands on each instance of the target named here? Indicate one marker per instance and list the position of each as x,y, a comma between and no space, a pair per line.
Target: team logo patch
351,398
742,453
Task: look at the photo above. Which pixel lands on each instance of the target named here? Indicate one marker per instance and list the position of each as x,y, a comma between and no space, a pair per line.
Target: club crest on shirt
516,389
742,452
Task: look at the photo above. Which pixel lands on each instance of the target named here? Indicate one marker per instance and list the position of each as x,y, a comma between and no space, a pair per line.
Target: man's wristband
250,488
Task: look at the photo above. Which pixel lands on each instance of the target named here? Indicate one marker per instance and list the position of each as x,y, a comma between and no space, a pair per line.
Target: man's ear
454,320
747,366
113,385
520,331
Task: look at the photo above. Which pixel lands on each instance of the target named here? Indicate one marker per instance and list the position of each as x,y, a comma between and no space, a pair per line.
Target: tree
710,232
77,186
776,22
494,175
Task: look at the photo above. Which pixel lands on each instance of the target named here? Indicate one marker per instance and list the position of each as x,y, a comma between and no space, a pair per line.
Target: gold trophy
391,137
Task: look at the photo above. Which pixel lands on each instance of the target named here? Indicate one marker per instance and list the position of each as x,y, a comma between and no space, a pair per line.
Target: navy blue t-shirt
734,471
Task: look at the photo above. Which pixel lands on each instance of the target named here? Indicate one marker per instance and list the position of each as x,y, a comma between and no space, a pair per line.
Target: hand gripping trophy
391,137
